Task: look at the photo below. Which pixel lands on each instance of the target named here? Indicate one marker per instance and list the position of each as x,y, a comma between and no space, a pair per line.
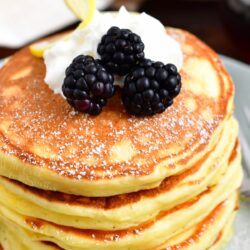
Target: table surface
210,20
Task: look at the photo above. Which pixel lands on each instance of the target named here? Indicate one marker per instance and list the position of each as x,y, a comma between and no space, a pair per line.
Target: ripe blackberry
87,85
120,50
150,88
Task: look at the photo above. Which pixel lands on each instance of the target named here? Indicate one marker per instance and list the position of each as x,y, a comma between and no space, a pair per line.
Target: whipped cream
158,45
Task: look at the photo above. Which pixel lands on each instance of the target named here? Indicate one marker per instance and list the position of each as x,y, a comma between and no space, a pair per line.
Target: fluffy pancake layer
44,143
188,240
105,213
167,226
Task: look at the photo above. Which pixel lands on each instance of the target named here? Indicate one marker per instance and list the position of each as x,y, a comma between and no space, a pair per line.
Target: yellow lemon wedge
39,48
83,9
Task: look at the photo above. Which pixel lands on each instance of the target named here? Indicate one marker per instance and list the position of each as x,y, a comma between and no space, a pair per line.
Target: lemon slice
83,9
39,48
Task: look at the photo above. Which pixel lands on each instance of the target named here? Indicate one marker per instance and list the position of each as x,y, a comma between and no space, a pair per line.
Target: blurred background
223,24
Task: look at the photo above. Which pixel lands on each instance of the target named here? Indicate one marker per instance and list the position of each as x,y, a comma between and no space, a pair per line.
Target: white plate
240,73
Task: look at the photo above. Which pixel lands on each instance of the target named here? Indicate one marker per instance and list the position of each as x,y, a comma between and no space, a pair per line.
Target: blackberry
87,85
120,50
150,88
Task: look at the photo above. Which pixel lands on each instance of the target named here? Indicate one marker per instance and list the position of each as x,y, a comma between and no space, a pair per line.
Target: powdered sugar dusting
42,129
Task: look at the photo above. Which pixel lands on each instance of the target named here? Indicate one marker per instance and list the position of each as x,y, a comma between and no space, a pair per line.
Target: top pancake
46,144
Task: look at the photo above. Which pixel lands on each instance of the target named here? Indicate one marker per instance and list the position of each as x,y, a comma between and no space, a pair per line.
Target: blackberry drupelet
87,85
150,88
120,50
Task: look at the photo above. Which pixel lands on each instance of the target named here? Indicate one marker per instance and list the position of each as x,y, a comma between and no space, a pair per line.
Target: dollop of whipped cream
158,45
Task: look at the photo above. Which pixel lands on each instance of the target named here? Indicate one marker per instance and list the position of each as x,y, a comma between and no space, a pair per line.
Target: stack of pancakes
115,181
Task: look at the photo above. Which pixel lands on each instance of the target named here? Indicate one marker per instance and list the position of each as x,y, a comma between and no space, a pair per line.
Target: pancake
164,226
45,144
210,233
105,213
70,181
205,232
210,221
224,235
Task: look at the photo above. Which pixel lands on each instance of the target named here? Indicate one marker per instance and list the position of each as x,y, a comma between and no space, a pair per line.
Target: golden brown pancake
199,232
105,212
115,181
166,227
63,150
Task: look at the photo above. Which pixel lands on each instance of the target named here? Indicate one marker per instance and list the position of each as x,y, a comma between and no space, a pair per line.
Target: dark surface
210,20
